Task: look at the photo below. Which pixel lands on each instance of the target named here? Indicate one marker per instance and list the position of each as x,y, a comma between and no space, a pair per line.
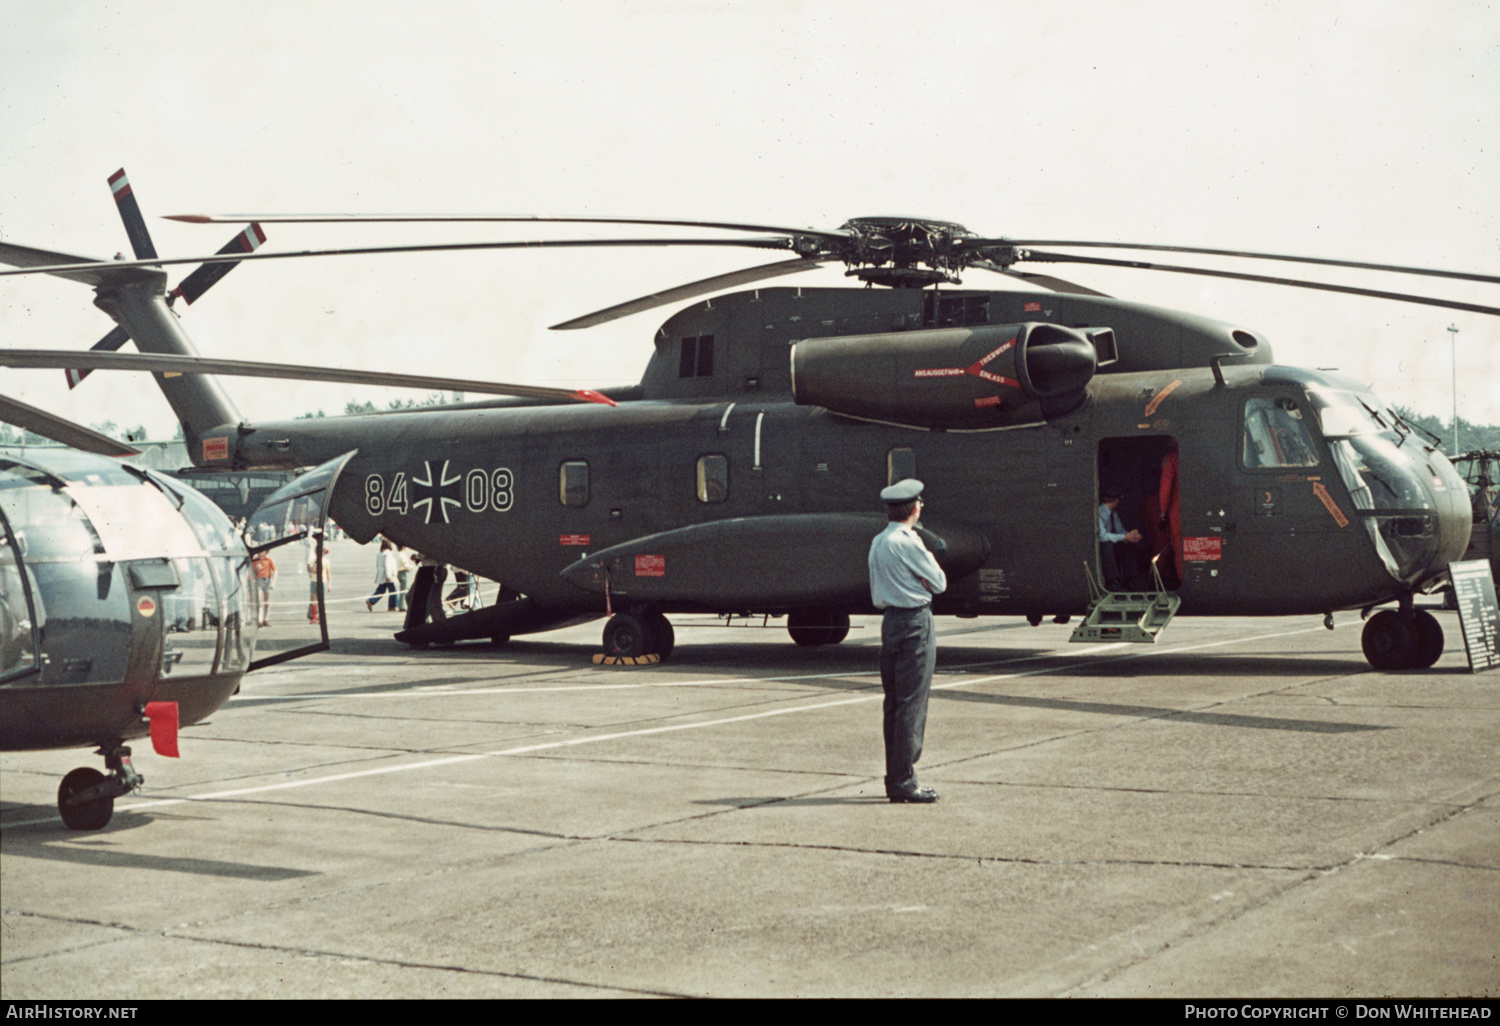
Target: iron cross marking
447,491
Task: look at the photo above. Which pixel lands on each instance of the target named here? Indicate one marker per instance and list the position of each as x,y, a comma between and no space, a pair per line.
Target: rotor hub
905,243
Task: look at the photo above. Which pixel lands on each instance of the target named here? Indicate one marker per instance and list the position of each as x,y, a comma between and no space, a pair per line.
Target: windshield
1350,414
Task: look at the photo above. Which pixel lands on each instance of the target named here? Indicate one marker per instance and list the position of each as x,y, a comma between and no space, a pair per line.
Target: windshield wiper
1412,428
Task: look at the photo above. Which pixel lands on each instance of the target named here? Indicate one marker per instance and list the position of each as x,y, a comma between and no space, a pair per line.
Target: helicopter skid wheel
1429,640
1391,641
92,814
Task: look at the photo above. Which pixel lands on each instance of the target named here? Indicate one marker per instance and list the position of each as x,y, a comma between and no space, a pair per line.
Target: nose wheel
635,634
86,797
1394,640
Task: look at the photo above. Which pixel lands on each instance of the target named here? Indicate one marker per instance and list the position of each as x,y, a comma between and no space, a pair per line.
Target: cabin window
697,359
900,464
1276,435
940,311
573,483
713,478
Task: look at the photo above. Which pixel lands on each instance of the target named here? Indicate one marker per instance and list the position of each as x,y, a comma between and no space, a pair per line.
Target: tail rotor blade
108,344
130,213
201,280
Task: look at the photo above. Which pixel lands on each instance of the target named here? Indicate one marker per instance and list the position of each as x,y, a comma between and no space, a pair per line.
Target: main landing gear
817,626
1402,639
86,797
634,634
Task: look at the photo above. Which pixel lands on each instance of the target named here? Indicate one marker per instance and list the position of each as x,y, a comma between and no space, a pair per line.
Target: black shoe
921,796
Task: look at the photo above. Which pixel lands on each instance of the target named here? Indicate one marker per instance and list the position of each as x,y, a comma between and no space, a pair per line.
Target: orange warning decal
651,566
1328,504
146,606
215,449
1156,399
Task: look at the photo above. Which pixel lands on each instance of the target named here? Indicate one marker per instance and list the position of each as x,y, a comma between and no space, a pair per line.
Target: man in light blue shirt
904,576
1112,533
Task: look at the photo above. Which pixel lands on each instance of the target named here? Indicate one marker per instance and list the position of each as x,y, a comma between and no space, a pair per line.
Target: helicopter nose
1424,545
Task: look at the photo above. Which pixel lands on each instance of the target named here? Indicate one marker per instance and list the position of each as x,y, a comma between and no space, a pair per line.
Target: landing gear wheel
817,626
1390,641
499,639
1429,640
90,815
628,635
665,636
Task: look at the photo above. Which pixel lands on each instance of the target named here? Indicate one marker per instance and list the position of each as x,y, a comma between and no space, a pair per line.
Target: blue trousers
907,658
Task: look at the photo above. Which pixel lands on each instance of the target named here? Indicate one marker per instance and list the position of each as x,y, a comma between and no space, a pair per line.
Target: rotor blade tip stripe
591,396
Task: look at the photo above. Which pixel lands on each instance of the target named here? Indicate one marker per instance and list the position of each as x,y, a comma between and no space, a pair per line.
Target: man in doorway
904,576
1112,534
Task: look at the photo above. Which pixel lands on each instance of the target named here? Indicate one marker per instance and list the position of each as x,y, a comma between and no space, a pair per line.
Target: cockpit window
212,528
47,524
1348,414
1276,435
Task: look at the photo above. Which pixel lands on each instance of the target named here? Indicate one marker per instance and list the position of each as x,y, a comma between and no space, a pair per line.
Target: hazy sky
1360,130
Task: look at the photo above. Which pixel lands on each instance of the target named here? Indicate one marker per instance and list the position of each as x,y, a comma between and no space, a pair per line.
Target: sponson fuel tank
977,378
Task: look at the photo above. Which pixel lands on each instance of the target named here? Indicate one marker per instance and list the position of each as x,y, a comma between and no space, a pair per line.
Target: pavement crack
1316,873
982,860
302,952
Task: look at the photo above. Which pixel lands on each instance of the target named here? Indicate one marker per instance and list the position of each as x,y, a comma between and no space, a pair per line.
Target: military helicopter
737,476
124,609
1480,469
125,598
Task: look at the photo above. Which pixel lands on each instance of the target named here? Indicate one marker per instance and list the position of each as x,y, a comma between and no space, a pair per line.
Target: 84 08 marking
436,491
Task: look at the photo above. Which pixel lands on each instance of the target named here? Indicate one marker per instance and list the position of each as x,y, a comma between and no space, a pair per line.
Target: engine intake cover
990,376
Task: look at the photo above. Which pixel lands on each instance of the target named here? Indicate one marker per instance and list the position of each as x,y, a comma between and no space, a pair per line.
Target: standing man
1112,533
903,578
265,580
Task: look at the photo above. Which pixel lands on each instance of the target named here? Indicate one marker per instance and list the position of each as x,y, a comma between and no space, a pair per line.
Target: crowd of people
395,572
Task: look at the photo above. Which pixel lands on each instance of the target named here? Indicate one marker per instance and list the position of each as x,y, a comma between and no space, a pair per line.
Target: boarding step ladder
1137,616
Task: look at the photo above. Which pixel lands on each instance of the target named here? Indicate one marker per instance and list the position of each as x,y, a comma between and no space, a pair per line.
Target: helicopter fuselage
709,489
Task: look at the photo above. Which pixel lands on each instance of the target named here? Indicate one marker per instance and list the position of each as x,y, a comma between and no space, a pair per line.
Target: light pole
1453,343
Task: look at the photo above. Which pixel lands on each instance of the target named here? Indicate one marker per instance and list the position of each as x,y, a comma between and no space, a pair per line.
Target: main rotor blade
76,268
1463,275
484,218
91,272
1046,281
59,429
172,365
1400,297
697,288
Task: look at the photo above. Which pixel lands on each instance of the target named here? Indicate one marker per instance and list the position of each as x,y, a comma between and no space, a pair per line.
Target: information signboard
1478,613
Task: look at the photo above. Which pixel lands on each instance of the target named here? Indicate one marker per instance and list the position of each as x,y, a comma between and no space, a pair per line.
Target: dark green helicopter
737,477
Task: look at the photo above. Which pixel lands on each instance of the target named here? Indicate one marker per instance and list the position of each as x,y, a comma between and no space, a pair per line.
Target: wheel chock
649,659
